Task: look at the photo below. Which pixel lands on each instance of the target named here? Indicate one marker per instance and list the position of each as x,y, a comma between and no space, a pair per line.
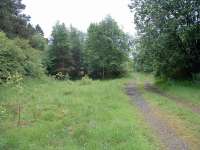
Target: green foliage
13,21
14,79
37,41
59,55
39,30
65,53
32,64
11,58
169,40
107,48
103,54
76,40
59,76
16,56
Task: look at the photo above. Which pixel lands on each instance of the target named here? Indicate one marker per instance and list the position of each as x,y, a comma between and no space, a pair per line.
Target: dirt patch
179,101
166,134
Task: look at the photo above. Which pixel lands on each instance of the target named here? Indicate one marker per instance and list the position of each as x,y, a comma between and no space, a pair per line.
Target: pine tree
39,30
12,21
60,56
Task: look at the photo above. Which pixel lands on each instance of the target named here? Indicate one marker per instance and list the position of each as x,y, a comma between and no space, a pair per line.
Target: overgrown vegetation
168,37
20,42
17,56
57,113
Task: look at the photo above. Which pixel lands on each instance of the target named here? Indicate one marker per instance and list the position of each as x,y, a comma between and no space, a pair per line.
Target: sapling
16,81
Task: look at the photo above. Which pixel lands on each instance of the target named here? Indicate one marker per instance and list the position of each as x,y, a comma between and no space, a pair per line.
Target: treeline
65,52
102,52
168,42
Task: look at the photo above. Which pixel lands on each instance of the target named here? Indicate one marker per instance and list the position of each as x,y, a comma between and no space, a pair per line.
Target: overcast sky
79,13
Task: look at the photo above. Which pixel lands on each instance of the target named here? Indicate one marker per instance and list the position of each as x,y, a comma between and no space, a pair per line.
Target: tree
76,47
39,30
59,55
37,41
169,34
12,21
107,49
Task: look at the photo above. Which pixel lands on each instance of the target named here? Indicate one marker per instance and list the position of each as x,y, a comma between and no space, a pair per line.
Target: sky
79,13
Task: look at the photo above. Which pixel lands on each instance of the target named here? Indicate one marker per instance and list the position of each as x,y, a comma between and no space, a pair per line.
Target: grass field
56,115
93,115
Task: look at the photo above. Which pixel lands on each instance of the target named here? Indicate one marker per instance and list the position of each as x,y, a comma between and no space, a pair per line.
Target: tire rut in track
166,134
179,101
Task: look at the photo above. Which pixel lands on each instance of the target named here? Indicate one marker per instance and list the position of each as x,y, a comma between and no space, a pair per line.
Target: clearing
100,115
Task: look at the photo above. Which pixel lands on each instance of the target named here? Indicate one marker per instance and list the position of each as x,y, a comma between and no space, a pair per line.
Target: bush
18,56
11,58
86,80
14,79
33,63
59,76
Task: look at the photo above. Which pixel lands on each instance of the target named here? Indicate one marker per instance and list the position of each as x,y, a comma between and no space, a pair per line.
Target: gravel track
166,134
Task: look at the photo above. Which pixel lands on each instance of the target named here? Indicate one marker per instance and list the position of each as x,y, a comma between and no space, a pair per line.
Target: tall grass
59,115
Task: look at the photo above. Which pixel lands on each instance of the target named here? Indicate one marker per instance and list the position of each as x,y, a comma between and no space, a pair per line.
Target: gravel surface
166,134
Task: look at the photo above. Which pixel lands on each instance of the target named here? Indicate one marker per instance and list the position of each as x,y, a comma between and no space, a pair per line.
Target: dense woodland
167,43
69,53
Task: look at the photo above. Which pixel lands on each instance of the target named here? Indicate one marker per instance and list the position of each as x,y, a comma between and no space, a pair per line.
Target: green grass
56,115
187,90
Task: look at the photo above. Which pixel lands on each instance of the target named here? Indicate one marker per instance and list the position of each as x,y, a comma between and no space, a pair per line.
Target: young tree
106,49
39,30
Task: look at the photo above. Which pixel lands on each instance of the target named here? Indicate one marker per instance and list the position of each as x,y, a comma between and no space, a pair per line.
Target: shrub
14,79
11,58
86,80
33,63
18,56
59,76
